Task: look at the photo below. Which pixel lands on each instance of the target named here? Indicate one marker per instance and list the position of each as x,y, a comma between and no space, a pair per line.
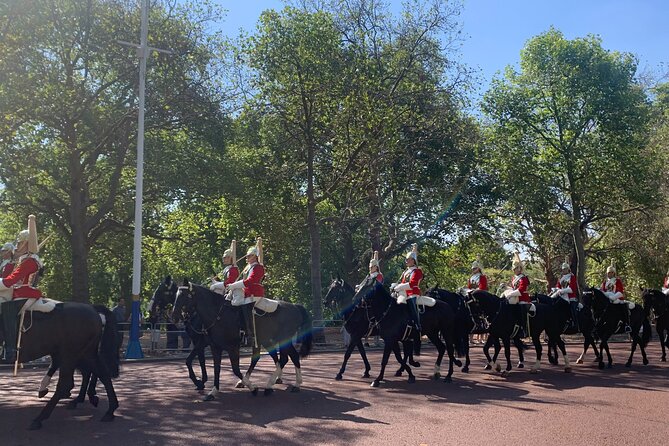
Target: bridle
191,295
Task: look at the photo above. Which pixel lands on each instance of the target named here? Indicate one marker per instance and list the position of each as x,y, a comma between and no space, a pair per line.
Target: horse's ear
186,281
338,276
436,285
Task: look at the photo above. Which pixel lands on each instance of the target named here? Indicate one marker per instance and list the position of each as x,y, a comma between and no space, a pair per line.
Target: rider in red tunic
478,280
665,285
409,287
567,289
615,291
7,257
374,268
518,294
20,284
230,273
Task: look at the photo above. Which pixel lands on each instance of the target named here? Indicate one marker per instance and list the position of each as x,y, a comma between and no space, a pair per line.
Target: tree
572,124
68,101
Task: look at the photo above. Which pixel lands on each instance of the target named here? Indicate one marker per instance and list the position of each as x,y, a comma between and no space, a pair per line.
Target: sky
496,30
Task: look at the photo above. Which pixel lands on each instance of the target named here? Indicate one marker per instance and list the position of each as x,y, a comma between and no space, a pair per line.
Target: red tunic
230,274
569,281
522,283
253,281
478,281
378,276
413,276
21,276
6,269
666,282
608,286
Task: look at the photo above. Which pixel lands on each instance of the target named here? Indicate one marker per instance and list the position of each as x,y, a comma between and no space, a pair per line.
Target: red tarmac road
159,406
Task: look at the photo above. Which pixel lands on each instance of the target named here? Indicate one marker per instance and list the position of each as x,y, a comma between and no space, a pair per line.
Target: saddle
266,306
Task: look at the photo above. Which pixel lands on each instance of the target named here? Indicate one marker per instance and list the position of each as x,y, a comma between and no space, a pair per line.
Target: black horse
658,302
74,336
610,319
274,331
340,296
464,322
503,325
586,327
393,322
160,307
163,299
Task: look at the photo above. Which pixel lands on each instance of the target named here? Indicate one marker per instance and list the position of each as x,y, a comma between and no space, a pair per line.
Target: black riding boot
628,327
573,306
247,310
518,318
413,312
10,321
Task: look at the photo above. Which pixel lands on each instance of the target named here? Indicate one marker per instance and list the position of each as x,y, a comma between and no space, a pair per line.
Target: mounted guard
375,268
518,294
253,291
18,290
665,285
615,291
230,273
567,289
409,287
478,280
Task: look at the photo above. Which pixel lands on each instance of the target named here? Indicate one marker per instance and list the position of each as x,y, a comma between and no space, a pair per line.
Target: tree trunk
79,266
548,272
315,241
579,248
351,269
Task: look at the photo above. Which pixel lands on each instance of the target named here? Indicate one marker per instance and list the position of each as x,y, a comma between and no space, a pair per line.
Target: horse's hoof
628,364
498,367
664,359
366,374
35,425
201,387
42,393
645,361
448,379
487,367
209,397
465,369
436,376
239,385
398,373
294,389
579,361
521,365
505,373
610,366
94,400
375,383
414,363
339,377
71,405
268,392
107,417
457,363
411,380
601,366
278,381
534,371
567,369
254,392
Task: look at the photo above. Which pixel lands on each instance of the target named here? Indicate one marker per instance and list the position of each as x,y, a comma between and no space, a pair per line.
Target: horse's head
655,300
339,294
163,298
595,299
184,302
367,290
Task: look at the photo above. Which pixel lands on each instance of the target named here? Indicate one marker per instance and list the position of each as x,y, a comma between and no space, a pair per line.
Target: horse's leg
199,385
255,357
44,385
402,360
660,334
284,361
216,353
85,379
347,355
486,351
408,354
565,357
604,347
536,340
441,348
278,367
295,359
233,355
63,388
111,397
507,354
635,341
518,343
465,369
92,393
587,340
387,348
361,349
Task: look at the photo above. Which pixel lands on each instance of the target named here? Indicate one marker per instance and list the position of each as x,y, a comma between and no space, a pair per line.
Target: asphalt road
159,406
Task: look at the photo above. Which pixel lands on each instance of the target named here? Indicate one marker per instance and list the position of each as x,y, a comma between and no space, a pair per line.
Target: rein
205,330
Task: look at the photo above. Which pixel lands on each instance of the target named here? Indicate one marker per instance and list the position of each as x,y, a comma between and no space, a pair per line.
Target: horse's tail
108,353
305,333
647,333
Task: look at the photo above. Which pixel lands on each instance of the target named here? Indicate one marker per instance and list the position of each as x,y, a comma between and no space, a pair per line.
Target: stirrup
628,329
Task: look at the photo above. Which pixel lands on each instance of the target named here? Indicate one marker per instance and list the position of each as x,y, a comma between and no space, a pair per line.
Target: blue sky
496,30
